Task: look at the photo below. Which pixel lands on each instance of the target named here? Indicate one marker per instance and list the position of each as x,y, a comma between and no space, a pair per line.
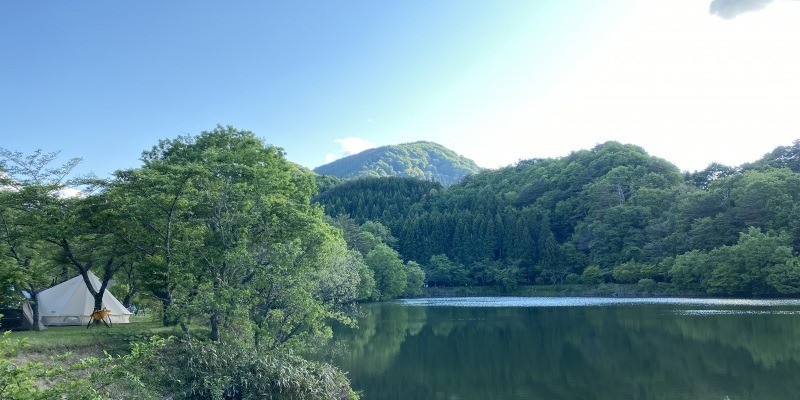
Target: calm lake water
575,348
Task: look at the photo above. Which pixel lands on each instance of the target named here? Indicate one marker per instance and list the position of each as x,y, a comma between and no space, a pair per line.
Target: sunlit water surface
575,348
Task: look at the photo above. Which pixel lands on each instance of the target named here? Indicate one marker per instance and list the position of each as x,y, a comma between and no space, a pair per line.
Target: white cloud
67,192
687,86
729,9
349,146
353,144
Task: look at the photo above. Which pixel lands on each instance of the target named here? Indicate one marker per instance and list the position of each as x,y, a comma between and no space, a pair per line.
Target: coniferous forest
610,214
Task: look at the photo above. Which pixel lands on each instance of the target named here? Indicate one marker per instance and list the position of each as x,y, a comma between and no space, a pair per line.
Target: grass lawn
94,340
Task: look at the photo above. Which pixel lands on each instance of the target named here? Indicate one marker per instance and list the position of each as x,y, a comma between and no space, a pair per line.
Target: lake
575,348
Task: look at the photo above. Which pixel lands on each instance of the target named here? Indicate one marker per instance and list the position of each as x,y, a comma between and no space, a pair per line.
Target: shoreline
563,290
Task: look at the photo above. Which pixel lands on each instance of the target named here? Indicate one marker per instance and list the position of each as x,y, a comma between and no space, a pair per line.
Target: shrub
628,272
573,279
221,371
592,275
785,278
88,379
647,283
508,277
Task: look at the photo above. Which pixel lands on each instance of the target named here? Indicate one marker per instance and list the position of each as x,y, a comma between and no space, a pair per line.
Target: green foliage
89,378
740,269
219,371
572,279
362,238
508,277
415,278
346,277
629,272
219,227
785,278
592,275
389,271
533,213
421,160
781,157
614,206
646,283
33,213
715,171
18,381
12,278
230,240
443,272
387,200
325,182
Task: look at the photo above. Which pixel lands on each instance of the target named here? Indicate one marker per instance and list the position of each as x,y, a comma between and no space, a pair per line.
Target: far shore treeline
612,214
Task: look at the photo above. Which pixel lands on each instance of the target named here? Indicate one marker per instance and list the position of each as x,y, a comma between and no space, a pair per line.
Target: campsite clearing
56,341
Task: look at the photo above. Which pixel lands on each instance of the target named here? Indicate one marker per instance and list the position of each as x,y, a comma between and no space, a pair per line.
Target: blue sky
495,81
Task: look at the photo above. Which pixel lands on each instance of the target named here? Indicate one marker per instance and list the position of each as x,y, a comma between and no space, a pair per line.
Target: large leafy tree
155,219
86,232
31,196
238,242
48,226
390,273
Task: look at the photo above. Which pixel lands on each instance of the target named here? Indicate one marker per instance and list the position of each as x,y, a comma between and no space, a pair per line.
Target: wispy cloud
349,146
729,9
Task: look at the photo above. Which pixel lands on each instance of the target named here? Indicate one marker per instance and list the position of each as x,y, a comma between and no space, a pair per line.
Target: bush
573,279
91,378
508,277
628,272
647,284
592,275
785,278
220,371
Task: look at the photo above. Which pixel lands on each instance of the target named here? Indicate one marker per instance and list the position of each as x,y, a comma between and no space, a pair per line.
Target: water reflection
632,351
588,302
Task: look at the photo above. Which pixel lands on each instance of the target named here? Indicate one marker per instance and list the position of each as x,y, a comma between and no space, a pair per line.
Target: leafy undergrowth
144,360
92,341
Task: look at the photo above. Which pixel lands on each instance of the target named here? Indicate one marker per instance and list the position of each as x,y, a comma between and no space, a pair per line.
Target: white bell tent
70,303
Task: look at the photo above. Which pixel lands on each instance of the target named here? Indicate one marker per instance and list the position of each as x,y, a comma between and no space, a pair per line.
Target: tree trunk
215,317
186,334
128,298
167,317
98,300
35,310
98,303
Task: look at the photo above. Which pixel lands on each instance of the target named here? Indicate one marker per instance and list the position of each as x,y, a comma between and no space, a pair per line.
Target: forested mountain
626,214
422,160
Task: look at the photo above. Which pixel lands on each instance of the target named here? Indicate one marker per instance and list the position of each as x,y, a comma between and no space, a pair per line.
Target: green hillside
627,215
422,160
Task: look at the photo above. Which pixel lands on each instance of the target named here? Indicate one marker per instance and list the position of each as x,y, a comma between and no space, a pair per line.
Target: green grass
114,339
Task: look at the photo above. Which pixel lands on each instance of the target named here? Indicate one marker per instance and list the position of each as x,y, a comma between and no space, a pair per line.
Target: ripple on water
736,312
589,302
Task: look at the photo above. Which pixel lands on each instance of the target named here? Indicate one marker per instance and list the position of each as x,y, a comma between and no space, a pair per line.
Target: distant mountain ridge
422,160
